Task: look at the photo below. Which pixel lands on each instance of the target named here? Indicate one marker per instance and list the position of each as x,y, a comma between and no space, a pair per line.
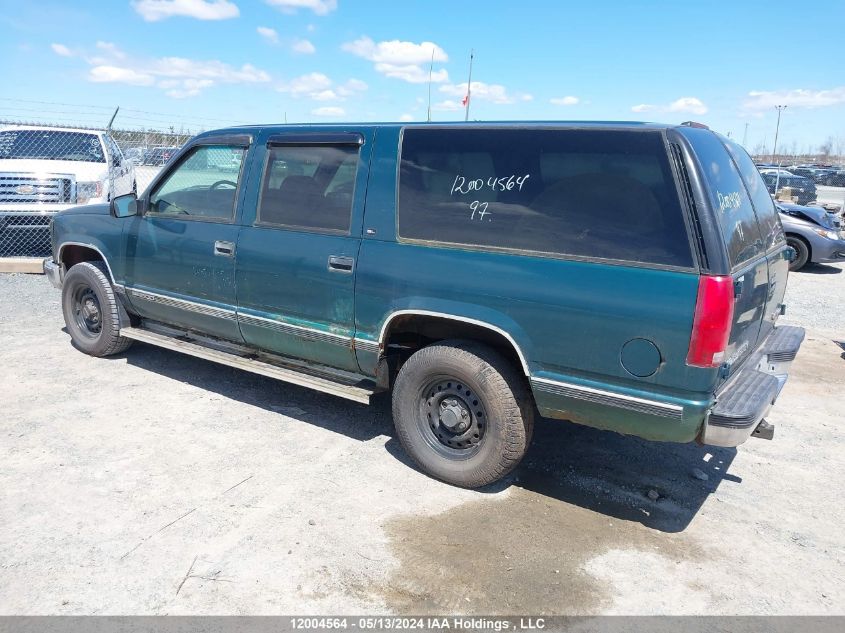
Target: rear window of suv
728,195
767,215
605,194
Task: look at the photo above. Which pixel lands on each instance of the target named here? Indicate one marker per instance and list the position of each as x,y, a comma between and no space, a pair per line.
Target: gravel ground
154,483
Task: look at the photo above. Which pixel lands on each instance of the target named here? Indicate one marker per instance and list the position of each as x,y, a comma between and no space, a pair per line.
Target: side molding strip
600,396
190,306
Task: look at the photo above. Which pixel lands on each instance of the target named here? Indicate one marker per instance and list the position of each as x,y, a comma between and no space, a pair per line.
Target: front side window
309,187
606,194
203,185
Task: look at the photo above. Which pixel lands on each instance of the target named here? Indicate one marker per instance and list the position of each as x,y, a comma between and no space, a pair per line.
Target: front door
180,254
297,252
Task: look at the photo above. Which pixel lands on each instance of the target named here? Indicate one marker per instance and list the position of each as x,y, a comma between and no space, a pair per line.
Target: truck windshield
51,145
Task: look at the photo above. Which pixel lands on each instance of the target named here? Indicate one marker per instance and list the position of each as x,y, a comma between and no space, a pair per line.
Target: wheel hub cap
454,415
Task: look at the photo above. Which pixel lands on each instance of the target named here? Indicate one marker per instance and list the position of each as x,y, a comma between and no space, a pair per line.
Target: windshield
51,145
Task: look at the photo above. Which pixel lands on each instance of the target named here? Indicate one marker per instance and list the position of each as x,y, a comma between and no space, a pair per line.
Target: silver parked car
816,235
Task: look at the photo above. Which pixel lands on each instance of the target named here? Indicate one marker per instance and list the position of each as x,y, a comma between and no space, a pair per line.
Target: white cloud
61,49
412,74
328,111
319,7
207,69
179,77
319,87
155,10
268,34
351,87
687,105
692,105
401,60
396,51
798,98
186,88
449,105
115,74
307,85
565,101
495,93
406,117
304,47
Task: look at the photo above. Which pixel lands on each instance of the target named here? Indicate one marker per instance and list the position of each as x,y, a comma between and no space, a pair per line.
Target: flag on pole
465,101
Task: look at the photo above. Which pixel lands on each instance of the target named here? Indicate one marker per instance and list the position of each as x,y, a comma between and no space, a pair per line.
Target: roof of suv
439,124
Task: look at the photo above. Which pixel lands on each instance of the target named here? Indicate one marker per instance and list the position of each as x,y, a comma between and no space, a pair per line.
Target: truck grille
34,189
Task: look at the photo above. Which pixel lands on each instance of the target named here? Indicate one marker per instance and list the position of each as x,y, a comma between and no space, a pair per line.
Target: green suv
625,276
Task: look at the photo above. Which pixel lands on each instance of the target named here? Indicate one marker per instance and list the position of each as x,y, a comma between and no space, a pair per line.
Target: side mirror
790,254
124,206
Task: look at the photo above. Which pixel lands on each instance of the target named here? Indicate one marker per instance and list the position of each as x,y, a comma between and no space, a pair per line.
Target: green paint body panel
569,320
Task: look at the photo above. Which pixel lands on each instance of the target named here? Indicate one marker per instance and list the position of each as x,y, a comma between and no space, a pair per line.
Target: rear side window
729,198
767,215
605,194
309,187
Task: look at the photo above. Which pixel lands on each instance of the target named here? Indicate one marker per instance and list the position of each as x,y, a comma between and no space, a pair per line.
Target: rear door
741,235
297,253
771,230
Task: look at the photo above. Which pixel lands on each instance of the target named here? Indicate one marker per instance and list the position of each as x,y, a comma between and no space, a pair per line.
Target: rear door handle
341,264
226,249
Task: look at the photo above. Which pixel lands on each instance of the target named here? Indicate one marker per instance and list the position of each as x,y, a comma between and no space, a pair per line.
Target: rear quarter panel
569,318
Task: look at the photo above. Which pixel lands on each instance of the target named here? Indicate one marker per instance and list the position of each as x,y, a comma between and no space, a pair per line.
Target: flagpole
469,84
430,68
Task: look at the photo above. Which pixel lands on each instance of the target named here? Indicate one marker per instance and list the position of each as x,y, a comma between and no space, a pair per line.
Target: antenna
111,120
430,69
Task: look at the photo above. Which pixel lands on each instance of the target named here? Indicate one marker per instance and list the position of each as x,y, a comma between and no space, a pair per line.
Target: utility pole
779,108
745,136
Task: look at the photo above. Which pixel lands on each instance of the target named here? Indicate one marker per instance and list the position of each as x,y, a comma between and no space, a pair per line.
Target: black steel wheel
462,412
802,252
452,417
91,310
87,312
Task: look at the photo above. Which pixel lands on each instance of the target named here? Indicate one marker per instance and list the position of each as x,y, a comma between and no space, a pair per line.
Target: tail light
711,326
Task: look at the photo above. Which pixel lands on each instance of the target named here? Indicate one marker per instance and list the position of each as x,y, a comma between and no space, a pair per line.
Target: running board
341,386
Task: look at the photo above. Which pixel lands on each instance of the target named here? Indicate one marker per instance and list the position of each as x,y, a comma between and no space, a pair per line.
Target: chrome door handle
226,249
341,264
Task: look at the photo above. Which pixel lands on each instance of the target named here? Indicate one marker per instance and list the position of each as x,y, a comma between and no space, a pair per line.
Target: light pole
779,108
745,136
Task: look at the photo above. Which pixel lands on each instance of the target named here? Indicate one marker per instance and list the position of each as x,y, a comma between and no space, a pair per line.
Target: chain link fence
45,169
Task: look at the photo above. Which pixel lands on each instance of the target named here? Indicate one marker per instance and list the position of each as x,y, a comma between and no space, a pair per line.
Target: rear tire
802,252
92,312
462,413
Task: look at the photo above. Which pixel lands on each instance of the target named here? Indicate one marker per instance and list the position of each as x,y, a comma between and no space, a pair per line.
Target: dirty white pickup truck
44,170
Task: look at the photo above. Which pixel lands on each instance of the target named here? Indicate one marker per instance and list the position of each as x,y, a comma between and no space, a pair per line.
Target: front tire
91,311
802,252
462,413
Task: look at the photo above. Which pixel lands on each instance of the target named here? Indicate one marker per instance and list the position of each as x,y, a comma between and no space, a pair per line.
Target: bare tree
826,148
